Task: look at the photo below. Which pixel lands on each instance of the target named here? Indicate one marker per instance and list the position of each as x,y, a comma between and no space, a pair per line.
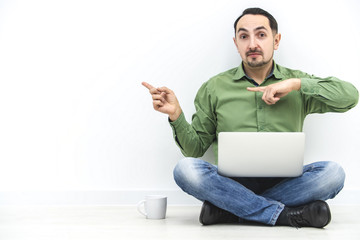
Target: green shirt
223,104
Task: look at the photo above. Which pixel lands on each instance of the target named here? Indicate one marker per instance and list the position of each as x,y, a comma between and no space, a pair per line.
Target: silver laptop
261,154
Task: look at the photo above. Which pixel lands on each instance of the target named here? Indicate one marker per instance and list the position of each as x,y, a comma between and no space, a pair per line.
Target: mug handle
139,207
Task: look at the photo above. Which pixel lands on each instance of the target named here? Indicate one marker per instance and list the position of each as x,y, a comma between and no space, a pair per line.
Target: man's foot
316,214
211,214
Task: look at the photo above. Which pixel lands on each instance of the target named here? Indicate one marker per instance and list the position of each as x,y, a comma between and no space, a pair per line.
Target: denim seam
276,214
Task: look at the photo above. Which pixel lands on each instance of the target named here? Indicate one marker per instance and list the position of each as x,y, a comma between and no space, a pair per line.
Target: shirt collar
240,73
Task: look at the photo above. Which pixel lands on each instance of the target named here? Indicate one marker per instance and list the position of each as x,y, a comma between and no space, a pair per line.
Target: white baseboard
124,197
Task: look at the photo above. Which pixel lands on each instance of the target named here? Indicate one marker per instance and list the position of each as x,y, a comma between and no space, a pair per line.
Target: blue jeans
258,199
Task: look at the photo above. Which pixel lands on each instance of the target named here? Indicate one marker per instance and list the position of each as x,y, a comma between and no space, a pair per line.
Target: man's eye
243,36
262,35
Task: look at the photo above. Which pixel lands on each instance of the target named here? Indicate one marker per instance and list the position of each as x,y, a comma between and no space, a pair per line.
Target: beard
256,64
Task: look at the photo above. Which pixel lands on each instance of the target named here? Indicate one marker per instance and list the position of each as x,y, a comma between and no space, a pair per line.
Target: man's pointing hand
164,101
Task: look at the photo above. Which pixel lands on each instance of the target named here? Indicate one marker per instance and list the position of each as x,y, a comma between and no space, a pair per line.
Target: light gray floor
120,222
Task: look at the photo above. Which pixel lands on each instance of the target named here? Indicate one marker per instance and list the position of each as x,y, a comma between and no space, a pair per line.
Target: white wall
74,116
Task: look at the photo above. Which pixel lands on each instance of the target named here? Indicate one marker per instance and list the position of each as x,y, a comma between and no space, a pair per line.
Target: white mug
154,205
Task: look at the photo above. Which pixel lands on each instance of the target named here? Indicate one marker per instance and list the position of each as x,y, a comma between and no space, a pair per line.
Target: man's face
255,40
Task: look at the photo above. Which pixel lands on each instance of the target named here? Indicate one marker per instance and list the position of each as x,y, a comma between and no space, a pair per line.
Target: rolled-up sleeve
328,95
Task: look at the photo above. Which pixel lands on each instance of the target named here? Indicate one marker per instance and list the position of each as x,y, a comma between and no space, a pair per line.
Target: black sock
283,219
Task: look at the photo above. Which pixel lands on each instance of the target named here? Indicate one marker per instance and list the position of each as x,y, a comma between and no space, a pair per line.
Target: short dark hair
259,11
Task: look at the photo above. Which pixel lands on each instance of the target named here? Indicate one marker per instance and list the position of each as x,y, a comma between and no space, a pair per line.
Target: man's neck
258,74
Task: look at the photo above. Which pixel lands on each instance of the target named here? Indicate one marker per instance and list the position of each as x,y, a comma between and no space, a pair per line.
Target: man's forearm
296,84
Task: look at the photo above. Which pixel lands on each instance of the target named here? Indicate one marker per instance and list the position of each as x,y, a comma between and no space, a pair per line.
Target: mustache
253,51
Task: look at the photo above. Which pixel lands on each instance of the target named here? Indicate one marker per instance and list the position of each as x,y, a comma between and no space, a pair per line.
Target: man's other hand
273,92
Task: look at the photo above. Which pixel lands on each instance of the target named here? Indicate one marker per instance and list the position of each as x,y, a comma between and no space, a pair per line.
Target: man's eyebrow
256,29
242,29
260,28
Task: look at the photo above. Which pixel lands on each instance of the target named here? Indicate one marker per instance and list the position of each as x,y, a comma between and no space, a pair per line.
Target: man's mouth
254,54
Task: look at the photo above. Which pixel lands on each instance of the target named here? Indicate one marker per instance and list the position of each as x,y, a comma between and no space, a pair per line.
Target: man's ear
277,39
234,38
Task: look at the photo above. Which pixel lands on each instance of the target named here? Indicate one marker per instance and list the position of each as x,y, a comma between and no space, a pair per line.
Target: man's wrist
297,84
175,116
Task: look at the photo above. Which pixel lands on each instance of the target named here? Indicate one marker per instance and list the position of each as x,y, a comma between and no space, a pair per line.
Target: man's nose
252,43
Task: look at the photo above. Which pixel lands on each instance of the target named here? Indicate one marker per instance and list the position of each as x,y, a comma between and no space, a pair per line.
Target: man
257,96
